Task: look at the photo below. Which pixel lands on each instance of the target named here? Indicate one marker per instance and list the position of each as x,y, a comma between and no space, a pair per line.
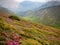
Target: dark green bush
14,18
1,43
2,39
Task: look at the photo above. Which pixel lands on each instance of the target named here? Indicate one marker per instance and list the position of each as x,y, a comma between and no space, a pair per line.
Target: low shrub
14,18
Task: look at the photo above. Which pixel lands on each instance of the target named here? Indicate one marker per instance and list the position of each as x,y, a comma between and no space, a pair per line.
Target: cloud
9,4
20,0
40,0
33,0
14,4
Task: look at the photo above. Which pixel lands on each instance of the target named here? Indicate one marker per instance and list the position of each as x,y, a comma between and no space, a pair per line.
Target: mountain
40,12
27,6
4,11
29,33
50,4
48,15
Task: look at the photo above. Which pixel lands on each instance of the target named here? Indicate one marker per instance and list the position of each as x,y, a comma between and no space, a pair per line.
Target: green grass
30,33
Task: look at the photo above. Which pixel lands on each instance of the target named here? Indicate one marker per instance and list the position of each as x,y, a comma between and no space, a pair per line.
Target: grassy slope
48,16
30,33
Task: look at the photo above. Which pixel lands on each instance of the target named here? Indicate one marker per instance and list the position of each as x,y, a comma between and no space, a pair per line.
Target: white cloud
33,0
9,4
40,0
19,1
14,4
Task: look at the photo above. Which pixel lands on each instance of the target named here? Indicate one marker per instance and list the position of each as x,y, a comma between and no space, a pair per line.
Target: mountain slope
50,4
49,16
30,33
27,6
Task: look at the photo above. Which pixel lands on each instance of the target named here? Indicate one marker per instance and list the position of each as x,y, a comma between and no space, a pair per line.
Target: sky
13,4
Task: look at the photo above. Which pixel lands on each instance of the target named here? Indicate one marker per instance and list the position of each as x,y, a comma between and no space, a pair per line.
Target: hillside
30,33
27,6
48,16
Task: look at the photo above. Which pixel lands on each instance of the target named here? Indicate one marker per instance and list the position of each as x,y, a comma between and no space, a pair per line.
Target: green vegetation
30,33
14,18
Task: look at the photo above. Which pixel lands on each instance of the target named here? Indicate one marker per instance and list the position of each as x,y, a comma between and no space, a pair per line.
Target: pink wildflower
9,20
9,42
16,43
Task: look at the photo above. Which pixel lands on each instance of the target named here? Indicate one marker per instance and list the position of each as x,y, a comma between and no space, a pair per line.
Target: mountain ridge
38,6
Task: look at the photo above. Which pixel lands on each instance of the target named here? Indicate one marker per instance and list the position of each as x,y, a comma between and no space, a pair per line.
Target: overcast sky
13,4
